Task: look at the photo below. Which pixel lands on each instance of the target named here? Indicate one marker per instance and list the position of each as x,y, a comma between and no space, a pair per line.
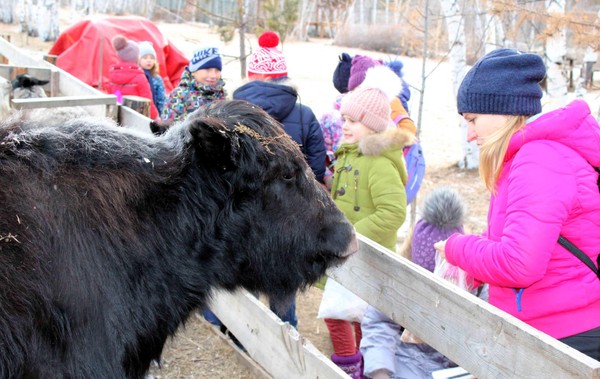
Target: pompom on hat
205,58
396,65
443,215
369,104
267,61
127,50
146,48
358,71
505,82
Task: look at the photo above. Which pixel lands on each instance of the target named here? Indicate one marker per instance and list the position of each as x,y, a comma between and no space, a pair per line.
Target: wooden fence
485,341
69,90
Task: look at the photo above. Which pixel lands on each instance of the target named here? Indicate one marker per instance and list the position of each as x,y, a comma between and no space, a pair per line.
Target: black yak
110,239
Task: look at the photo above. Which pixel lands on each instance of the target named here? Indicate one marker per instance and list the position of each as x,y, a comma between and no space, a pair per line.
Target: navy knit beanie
341,74
505,82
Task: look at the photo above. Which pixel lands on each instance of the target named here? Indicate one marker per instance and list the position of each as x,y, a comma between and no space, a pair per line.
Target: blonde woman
539,170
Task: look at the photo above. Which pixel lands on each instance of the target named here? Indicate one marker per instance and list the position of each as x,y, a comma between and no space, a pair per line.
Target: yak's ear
214,142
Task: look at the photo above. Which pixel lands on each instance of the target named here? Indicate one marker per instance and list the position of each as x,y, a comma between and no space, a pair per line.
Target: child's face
207,76
147,62
354,130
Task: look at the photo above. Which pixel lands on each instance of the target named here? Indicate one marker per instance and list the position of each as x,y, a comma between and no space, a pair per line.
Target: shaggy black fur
109,239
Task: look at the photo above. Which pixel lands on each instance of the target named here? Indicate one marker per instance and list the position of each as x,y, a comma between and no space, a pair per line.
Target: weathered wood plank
479,337
129,118
275,345
64,101
139,104
255,369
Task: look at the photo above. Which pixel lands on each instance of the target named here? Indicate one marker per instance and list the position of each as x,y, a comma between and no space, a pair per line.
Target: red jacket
129,79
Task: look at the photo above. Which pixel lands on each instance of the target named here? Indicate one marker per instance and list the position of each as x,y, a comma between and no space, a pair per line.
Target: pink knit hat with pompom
127,50
369,103
267,61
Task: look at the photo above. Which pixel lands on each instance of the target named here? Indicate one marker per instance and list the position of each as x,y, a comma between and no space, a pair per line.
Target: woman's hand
440,247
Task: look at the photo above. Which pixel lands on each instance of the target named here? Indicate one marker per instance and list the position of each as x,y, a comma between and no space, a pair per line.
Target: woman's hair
493,150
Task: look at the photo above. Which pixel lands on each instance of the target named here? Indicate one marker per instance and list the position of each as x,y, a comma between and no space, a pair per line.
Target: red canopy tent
85,48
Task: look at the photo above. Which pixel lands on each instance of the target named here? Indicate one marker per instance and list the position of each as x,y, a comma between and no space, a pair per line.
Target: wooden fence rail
70,86
487,342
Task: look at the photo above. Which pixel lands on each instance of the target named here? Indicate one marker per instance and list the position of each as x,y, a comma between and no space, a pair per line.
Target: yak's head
275,228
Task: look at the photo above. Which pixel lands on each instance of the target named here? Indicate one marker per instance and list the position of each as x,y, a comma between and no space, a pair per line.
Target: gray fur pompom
444,208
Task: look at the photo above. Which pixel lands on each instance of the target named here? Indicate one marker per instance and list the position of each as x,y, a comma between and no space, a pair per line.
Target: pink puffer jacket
547,187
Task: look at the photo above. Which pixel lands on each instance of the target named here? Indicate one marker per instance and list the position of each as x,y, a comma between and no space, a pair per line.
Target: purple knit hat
358,71
443,213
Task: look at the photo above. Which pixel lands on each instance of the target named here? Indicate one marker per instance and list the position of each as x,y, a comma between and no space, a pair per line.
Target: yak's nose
352,246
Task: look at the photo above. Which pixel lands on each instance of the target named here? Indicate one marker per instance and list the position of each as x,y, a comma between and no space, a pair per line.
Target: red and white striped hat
267,61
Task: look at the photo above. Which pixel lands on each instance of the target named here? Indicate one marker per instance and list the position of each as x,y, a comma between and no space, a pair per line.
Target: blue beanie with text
205,58
505,82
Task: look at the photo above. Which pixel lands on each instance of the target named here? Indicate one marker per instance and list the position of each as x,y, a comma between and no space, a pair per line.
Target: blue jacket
279,99
158,90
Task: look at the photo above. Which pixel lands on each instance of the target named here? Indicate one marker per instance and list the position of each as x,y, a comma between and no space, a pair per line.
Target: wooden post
138,104
3,59
100,59
51,58
570,84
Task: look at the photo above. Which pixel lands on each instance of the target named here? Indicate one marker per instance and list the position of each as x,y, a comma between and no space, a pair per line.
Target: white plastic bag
452,273
340,304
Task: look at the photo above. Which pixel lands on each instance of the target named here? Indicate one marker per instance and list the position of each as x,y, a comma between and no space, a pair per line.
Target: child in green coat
369,184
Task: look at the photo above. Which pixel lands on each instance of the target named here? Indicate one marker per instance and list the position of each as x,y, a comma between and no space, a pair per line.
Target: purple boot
351,365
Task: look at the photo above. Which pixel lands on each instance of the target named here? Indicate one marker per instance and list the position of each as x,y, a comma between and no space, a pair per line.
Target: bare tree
458,61
7,10
556,49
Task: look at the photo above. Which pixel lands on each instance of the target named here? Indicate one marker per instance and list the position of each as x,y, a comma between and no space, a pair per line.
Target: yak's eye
289,176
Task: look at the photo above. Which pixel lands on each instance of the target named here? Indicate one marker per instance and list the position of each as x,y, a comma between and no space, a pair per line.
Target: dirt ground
196,351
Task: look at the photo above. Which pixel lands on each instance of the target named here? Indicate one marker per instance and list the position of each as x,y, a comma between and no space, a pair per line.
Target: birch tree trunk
361,12
306,11
387,12
556,49
458,63
48,21
374,13
243,14
7,9
494,31
351,16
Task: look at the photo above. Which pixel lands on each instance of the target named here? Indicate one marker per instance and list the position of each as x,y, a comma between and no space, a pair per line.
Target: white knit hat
146,48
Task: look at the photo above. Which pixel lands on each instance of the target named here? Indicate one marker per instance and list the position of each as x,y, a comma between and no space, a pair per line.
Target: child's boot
352,365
